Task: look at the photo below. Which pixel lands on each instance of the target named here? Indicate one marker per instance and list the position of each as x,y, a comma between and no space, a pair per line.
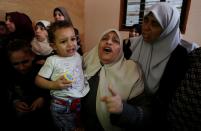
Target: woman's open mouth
108,49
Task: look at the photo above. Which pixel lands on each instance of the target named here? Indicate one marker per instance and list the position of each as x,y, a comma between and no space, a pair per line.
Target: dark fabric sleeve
130,116
135,113
185,107
126,48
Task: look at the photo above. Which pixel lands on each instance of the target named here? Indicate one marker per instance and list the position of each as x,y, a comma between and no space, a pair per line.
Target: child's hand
62,83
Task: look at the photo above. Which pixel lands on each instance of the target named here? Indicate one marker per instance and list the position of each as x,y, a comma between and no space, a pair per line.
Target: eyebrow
20,62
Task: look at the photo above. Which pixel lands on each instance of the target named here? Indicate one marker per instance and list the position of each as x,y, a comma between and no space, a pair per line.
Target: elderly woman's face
109,48
151,29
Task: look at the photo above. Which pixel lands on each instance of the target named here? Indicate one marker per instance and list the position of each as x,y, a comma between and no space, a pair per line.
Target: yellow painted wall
99,16
193,29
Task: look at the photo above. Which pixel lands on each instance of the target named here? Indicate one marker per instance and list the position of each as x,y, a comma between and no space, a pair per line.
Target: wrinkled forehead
116,32
20,55
111,34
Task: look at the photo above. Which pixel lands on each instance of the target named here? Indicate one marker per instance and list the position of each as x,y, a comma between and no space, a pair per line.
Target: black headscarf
23,24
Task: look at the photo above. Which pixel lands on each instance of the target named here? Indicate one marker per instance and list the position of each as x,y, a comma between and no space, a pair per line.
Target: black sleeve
126,48
134,115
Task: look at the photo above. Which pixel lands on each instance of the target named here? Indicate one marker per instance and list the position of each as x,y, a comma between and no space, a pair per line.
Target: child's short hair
18,44
55,26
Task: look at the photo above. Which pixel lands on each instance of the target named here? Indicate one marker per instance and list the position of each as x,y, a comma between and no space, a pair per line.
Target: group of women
137,94
140,93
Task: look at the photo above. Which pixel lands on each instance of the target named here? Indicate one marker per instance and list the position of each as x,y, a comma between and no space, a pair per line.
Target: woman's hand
22,106
37,104
114,103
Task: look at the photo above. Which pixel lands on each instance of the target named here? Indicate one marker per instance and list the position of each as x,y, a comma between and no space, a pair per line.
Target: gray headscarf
153,57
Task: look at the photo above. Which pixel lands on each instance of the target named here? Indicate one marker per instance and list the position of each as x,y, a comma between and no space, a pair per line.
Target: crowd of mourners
149,81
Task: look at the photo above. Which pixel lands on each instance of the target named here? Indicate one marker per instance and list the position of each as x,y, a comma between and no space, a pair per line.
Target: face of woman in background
58,16
151,28
133,33
41,33
21,61
109,48
10,24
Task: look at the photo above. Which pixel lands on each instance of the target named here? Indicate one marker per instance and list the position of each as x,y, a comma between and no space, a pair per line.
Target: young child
40,44
63,75
59,14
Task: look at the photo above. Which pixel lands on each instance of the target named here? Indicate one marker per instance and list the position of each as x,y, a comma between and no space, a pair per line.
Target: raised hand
114,102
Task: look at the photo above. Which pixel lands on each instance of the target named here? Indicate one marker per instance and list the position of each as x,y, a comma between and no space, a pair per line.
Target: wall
193,29
103,14
43,9
99,16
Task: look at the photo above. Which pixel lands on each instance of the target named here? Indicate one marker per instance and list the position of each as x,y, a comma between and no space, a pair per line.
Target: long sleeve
135,113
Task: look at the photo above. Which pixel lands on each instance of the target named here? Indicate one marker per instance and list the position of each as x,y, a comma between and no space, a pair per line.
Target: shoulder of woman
135,41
